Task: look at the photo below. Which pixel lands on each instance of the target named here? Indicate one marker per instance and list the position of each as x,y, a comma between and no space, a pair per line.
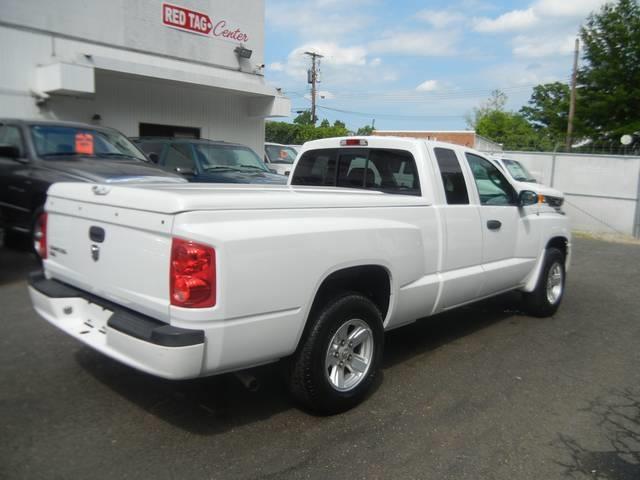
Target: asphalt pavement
484,392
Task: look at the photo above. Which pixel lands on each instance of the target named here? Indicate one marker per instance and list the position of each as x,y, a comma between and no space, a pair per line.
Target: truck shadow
429,333
617,416
208,406
16,262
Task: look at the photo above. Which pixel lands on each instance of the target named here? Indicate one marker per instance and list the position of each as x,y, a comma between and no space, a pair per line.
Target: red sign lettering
196,22
185,19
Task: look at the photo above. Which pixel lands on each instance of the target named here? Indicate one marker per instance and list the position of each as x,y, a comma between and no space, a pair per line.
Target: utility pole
572,101
312,78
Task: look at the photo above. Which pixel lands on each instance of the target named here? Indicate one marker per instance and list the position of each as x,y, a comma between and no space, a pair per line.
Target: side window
151,147
10,135
455,187
179,156
316,167
493,187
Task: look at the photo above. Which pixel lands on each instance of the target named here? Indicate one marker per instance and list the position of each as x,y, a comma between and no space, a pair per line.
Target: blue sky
419,65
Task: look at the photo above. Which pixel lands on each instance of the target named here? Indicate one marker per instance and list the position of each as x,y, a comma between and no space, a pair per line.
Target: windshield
280,154
212,157
518,171
55,140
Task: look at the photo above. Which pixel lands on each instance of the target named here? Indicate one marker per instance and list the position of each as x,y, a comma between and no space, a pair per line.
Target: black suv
200,160
35,154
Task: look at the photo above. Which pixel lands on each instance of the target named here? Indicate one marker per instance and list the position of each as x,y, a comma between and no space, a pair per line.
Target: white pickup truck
372,233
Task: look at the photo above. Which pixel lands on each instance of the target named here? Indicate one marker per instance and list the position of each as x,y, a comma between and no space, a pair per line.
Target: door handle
494,224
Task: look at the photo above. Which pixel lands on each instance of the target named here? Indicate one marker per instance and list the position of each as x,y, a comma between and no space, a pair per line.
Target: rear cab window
385,170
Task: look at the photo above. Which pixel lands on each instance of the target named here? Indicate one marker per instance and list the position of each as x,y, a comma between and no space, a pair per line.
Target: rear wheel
547,296
338,360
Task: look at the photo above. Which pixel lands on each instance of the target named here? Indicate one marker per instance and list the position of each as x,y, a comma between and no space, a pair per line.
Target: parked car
371,234
35,154
519,175
209,161
279,157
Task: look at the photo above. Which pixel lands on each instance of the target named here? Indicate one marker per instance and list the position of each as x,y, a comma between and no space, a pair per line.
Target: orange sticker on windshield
84,143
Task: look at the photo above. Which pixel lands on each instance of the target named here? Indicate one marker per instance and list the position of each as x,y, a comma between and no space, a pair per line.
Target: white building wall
208,87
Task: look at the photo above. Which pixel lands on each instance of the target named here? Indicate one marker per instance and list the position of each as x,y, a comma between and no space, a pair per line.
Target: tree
548,110
511,130
609,83
496,102
303,118
366,130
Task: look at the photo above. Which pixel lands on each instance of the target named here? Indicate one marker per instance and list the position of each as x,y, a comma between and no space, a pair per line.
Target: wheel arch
372,280
560,242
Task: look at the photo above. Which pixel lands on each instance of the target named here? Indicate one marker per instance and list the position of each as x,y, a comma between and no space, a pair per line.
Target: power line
388,115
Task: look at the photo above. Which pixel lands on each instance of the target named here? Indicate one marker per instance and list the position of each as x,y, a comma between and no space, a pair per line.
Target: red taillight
192,275
40,235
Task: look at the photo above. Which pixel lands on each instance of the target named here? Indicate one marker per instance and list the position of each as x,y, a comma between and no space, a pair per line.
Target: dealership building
144,67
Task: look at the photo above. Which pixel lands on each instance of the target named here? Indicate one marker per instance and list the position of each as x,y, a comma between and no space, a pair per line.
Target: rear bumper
130,337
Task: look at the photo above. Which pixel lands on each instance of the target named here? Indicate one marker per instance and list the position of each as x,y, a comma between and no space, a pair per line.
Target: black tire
308,379
538,303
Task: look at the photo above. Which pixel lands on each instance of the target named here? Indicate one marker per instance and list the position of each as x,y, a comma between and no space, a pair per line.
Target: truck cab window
390,171
316,167
493,187
455,187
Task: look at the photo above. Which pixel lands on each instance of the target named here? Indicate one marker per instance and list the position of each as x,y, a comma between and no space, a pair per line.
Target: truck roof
376,142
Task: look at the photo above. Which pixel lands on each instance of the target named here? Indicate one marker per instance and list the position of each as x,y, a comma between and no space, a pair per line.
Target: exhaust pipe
248,380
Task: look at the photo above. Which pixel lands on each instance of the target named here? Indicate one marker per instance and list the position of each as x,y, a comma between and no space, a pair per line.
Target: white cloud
333,53
507,22
567,8
439,18
320,19
540,14
276,67
428,86
341,65
537,46
427,44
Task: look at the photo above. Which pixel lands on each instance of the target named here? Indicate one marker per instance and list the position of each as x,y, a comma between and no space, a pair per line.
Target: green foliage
608,99
364,131
548,111
299,132
511,130
496,102
304,118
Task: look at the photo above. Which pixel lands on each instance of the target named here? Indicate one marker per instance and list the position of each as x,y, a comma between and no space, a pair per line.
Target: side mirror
153,156
527,197
9,151
185,171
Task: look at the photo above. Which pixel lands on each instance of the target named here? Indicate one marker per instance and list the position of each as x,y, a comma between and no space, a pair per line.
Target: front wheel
338,360
545,299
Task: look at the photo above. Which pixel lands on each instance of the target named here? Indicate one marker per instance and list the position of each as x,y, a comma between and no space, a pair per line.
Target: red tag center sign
185,19
84,143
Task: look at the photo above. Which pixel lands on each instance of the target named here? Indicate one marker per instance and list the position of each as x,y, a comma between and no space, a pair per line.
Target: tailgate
117,253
